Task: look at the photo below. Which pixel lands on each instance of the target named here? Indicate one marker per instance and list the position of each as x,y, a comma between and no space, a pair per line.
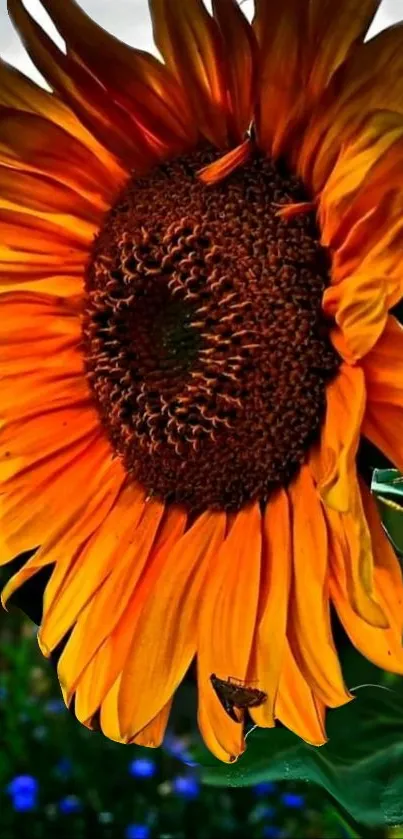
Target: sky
129,20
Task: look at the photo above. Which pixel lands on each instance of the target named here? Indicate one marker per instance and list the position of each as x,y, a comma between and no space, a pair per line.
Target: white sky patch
129,20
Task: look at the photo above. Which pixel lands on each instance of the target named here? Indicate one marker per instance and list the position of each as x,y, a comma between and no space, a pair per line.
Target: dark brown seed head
205,345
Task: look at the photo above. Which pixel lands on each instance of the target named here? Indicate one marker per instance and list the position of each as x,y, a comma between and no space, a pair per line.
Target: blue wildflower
70,804
55,706
142,767
64,767
271,832
137,831
264,788
176,747
24,803
186,786
292,800
23,790
23,785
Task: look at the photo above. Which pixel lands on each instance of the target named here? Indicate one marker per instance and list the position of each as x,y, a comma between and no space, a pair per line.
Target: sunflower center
205,345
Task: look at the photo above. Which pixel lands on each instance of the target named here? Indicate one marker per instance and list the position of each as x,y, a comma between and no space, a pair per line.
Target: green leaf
388,483
361,767
387,486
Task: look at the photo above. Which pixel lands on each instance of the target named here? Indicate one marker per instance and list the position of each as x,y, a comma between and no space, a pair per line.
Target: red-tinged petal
241,52
32,244
224,166
18,91
86,96
134,78
295,209
46,198
335,31
302,46
32,144
190,43
282,70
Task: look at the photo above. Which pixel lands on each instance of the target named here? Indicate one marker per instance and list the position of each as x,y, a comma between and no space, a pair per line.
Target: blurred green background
59,779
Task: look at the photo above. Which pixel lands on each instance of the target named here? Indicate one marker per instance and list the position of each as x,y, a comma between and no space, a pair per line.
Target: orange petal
134,79
366,167
351,549
109,716
86,96
70,494
94,568
295,209
167,624
55,281
381,646
106,664
50,432
282,70
38,245
359,305
241,53
40,359
273,607
383,368
302,45
224,166
17,91
332,460
189,40
43,198
227,621
152,735
372,246
33,144
297,707
309,629
127,563
388,571
364,84
47,198
378,645
335,33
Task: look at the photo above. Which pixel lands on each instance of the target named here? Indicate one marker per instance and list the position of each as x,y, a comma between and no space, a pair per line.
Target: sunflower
198,260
